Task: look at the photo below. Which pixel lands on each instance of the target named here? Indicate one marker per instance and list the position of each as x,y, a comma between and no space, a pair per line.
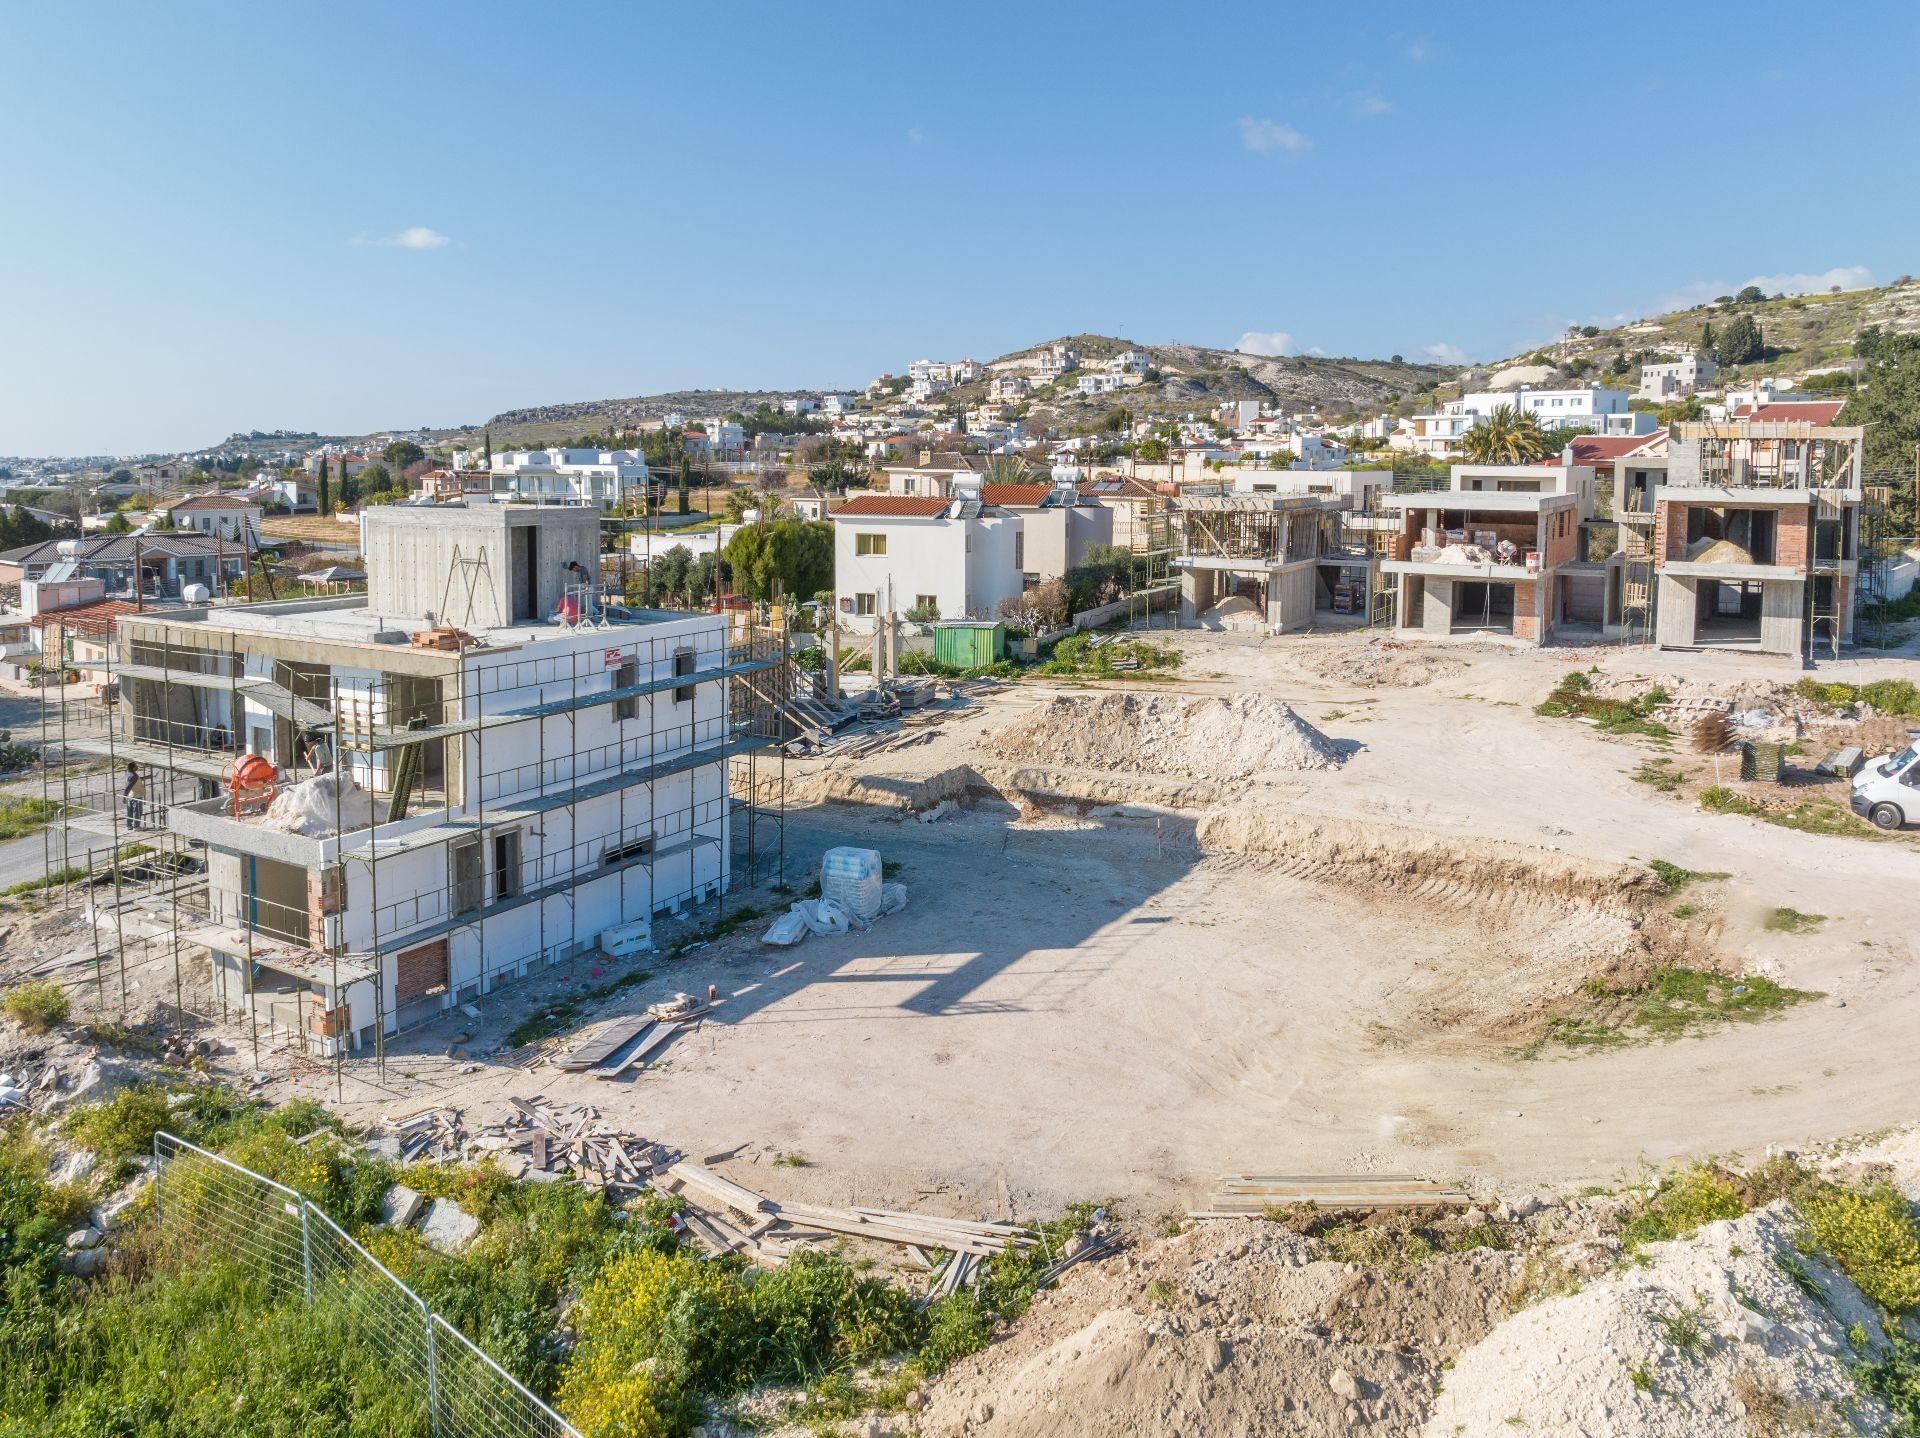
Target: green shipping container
969,644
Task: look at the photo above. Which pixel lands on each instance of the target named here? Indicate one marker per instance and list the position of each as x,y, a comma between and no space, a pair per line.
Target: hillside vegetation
1799,333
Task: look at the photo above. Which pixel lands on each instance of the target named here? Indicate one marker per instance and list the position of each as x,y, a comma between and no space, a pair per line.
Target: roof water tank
196,594
69,549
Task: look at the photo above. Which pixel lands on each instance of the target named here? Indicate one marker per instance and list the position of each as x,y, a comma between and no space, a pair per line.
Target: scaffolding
1153,551
488,760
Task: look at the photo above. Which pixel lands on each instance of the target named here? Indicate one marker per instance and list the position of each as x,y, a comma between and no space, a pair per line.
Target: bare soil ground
1117,984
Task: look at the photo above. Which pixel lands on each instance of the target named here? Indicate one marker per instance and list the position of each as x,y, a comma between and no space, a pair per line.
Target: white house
223,516
1057,360
600,477
1589,408
1130,362
1005,387
799,404
960,557
1676,378
1105,383
836,403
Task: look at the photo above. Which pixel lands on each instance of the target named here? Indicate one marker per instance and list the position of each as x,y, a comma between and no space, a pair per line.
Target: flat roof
1496,499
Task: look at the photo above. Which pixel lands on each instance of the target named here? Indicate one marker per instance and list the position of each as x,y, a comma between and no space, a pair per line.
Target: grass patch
1808,816
1162,1294
1898,697
1682,1202
1673,878
1573,698
37,1006
71,874
1792,921
1894,1378
1120,659
21,817
1655,774
559,1017
1674,1002
1683,1329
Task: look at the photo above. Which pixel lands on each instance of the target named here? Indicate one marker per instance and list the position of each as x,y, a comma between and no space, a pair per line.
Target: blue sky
345,217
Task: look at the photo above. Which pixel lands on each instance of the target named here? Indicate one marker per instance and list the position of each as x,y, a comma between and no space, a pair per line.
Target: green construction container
969,643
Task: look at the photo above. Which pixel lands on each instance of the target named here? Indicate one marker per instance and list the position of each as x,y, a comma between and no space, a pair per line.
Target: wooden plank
728,1192
612,1036
627,1055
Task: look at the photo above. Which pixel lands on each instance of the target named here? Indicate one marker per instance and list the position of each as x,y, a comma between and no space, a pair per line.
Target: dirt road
1091,1005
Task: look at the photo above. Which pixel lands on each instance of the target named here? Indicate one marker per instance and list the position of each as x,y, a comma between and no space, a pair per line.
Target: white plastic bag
790,928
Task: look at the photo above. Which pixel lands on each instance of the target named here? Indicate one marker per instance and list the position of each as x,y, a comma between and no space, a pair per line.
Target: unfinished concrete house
406,799
1498,551
1755,536
1284,555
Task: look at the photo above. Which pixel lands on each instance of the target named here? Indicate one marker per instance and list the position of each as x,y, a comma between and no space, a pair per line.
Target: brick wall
1526,620
1563,535
324,894
1792,537
1403,541
1669,531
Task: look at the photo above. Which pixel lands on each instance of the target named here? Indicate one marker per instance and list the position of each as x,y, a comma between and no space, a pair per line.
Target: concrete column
1439,606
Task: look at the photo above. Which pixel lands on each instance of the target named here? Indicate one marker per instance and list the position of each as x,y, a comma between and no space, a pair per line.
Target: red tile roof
890,506
1805,411
1601,450
1021,495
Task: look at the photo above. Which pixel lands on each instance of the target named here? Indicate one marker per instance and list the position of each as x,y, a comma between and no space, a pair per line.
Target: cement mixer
251,782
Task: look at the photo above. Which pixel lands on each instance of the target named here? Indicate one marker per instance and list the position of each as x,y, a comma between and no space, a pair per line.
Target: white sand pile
1712,1337
314,807
1202,738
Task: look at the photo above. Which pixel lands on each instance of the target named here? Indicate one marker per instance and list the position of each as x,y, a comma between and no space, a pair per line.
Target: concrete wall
1439,606
411,554
1290,596
1676,608
1782,616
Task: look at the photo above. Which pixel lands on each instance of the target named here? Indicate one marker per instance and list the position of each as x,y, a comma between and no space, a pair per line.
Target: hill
1801,333
551,422
1184,377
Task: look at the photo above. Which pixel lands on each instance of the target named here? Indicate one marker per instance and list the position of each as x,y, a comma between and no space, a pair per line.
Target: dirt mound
1228,1329
1202,738
1421,865
1379,663
1712,1331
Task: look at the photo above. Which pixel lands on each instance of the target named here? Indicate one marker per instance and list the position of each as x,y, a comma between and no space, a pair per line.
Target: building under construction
333,819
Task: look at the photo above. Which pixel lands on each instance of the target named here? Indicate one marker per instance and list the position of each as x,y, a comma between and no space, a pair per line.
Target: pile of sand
1378,663
1210,738
1717,551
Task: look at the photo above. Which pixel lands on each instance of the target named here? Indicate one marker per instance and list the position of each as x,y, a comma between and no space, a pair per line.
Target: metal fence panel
449,1388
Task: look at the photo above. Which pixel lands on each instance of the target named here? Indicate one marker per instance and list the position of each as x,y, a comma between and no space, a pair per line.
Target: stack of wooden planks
766,1230
575,1140
625,1043
1240,1195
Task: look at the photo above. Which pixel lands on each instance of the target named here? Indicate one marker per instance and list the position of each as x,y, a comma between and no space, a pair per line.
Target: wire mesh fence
432,1381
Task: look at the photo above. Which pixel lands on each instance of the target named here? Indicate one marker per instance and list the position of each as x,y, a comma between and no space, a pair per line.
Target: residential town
655,782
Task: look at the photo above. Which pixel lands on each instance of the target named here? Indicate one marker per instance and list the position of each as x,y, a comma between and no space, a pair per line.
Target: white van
1887,790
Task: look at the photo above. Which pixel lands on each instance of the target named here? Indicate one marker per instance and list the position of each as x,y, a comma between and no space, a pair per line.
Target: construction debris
770,1230
1242,1194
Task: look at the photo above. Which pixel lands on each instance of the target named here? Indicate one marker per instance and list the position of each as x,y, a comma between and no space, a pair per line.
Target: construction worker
134,791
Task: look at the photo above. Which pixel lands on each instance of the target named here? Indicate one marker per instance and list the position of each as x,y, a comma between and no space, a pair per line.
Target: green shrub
38,1006
1870,1236
1894,1378
1573,698
1684,1201
124,1125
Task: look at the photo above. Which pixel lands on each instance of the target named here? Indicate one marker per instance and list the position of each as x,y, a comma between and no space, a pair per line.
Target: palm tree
1507,436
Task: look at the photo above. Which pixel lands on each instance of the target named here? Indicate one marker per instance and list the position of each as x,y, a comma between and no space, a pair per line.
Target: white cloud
1270,343
1848,277
1263,137
414,237
1443,353
916,136
1366,103
1417,51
